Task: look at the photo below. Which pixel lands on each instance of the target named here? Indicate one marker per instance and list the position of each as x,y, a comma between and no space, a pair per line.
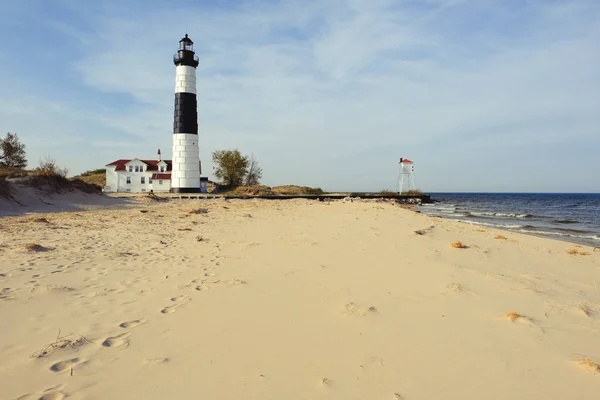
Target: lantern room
185,55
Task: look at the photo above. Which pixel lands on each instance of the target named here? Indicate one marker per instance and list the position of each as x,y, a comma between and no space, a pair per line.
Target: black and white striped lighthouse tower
185,175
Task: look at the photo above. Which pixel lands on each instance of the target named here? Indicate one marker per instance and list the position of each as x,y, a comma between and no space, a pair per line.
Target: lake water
566,216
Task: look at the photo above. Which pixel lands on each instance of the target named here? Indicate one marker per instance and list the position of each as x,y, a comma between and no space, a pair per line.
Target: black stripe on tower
186,114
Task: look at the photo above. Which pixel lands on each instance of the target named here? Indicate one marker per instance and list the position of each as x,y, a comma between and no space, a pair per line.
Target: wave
499,214
567,233
554,233
563,230
564,221
503,226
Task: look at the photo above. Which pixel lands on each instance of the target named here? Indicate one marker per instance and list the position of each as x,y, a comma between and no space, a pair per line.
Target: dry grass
589,364
8,172
513,316
458,245
576,252
96,177
41,220
296,190
415,192
500,237
61,342
253,190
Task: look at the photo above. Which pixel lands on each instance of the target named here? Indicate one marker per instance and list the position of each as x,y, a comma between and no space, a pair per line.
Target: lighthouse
185,175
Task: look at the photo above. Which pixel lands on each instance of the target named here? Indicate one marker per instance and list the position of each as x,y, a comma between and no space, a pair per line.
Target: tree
254,174
231,167
12,152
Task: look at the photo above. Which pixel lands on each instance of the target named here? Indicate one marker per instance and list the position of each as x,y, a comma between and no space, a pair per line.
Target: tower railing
179,58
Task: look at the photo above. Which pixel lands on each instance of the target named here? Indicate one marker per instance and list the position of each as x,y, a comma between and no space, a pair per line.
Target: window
143,180
137,169
131,168
128,180
161,168
160,182
143,190
150,180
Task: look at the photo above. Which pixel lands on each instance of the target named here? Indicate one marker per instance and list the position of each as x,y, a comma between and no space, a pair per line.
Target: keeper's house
137,176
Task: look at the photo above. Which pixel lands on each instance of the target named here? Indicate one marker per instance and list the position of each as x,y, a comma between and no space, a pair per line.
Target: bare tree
12,152
254,174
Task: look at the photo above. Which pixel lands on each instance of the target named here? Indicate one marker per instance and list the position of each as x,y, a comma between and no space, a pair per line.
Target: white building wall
158,187
112,179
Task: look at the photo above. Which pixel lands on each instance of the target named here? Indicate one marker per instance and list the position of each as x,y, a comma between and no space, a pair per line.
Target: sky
483,95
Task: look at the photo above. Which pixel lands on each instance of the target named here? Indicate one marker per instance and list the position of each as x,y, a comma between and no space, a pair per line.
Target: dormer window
131,168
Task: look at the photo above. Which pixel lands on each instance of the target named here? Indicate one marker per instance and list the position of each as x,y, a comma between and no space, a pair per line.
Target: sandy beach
296,299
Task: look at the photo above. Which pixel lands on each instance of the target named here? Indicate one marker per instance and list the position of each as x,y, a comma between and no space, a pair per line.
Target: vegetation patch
61,342
414,192
513,316
576,252
590,364
458,245
297,190
94,177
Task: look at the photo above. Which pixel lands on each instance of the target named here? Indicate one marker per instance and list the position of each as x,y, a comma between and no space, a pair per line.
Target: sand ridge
296,299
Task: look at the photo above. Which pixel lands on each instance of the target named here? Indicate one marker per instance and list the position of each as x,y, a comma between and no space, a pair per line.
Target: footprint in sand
65,365
156,361
179,298
132,324
170,309
116,341
53,396
53,393
355,309
457,288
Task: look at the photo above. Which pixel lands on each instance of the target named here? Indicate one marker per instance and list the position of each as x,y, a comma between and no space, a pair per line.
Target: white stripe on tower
185,175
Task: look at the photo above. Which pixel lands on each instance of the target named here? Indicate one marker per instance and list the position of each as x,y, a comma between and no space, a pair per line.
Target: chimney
159,155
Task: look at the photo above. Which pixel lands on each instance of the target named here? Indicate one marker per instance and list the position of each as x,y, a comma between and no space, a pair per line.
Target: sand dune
291,299
24,199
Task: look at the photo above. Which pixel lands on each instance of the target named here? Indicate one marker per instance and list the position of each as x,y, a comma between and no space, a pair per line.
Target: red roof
152,164
406,160
165,177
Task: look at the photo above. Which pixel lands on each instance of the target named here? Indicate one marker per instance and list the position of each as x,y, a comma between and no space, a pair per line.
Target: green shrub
310,190
94,172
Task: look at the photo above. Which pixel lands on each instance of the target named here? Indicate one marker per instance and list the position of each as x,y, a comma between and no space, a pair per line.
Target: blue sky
484,95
